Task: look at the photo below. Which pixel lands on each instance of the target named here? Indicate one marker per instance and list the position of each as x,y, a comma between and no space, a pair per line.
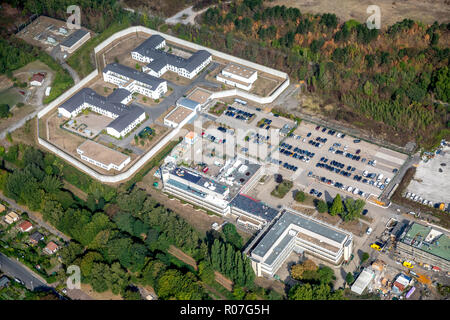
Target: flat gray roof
74,38
288,218
255,207
279,248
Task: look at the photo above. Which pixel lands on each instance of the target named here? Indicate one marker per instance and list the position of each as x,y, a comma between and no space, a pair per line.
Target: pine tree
337,207
215,258
229,261
240,276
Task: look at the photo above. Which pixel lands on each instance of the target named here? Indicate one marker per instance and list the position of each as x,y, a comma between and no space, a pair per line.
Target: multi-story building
294,231
238,76
159,61
125,118
102,156
426,245
196,188
134,80
251,213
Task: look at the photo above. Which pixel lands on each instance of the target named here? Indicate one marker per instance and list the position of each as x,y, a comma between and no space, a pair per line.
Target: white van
380,176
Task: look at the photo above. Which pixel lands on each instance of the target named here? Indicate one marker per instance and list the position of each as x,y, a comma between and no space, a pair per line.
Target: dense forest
120,238
398,76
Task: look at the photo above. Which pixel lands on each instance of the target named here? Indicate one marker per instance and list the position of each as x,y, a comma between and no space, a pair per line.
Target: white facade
135,86
238,76
128,129
77,44
174,124
294,237
36,83
201,195
106,166
231,82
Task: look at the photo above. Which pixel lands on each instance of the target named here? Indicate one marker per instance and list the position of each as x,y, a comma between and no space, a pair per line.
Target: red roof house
51,248
25,226
37,79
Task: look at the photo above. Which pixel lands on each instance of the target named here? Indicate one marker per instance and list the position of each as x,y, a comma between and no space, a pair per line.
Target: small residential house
37,79
51,248
11,217
25,226
36,237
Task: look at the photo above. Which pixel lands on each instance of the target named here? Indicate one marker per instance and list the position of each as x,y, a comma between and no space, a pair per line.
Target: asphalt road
15,269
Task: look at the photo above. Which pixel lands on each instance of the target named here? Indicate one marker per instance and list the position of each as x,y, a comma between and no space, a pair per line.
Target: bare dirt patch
356,227
107,295
120,51
182,256
270,284
176,78
17,114
60,137
391,11
224,281
325,217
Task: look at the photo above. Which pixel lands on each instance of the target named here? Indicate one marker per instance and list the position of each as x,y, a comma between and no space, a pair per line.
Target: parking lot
256,132
431,182
317,157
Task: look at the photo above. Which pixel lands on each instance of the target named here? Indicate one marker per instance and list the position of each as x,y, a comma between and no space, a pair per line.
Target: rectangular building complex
425,244
294,231
159,61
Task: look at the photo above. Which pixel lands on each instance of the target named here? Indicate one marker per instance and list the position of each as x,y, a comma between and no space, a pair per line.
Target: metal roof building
294,231
363,280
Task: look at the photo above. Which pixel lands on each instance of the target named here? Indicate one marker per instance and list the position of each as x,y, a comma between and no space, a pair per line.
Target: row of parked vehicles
213,138
290,167
331,132
315,144
266,124
369,178
418,198
334,166
341,186
315,192
238,114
